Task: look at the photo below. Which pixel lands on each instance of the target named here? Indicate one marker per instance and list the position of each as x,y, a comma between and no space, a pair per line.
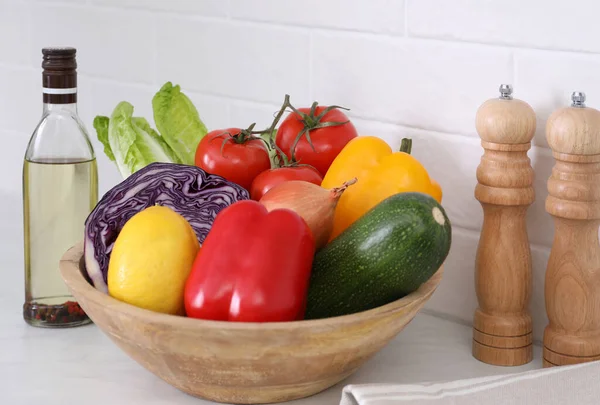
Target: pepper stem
406,145
338,191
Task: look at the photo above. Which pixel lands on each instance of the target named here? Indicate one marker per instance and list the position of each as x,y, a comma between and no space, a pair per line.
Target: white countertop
63,367
82,366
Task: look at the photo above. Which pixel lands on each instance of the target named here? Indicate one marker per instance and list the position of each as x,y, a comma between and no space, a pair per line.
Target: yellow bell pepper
380,172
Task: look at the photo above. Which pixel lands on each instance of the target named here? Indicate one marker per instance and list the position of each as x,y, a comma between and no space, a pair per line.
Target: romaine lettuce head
130,141
178,122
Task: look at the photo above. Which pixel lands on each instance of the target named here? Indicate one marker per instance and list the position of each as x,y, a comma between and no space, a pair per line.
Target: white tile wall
382,16
117,44
244,113
107,94
401,80
15,31
214,110
217,8
12,161
545,79
417,68
20,98
547,24
234,59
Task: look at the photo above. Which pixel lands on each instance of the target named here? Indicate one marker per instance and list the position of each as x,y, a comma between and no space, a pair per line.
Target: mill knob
505,120
578,99
574,129
506,91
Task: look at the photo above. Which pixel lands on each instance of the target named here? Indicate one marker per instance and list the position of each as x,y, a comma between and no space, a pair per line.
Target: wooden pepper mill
572,288
502,331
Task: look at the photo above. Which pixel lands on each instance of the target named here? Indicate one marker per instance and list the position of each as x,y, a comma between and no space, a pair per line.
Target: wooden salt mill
572,288
502,331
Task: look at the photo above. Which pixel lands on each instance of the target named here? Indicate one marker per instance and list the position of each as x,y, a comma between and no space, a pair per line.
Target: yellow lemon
151,260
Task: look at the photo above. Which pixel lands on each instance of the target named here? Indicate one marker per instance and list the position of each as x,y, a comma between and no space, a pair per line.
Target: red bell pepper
254,266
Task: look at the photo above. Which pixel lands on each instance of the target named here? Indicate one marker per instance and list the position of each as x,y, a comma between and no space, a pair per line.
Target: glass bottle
60,188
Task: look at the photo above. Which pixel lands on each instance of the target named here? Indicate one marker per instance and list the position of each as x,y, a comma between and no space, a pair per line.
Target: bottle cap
59,76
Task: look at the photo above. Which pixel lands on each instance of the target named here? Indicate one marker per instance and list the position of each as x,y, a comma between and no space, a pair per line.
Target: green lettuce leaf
101,126
133,143
178,122
145,126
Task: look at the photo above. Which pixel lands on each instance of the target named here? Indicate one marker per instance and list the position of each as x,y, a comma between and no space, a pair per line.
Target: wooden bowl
243,362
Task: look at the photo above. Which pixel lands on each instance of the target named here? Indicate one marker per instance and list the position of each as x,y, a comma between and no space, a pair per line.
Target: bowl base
260,395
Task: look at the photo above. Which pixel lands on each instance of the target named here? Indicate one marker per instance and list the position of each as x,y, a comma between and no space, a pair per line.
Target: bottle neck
70,108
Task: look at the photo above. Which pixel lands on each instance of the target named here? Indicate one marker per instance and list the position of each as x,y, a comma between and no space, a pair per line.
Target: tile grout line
318,29
155,74
514,70
406,18
311,90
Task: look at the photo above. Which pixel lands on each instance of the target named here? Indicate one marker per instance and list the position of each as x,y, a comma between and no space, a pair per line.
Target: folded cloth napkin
566,385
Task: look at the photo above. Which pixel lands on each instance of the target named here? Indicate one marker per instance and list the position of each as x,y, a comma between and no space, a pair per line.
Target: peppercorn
61,314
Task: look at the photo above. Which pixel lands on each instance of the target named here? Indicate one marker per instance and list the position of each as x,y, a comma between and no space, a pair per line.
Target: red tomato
328,141
270,178
234,155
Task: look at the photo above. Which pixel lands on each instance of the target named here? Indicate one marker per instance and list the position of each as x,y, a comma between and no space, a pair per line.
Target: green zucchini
383,256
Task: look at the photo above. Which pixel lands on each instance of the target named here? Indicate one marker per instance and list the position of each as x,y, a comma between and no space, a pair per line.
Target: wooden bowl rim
73,277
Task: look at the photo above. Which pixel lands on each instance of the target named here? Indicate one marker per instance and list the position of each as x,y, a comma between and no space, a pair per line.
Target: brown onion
315,204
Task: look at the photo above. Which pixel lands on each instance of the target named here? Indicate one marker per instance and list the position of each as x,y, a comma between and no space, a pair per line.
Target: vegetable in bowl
132,143
188,190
